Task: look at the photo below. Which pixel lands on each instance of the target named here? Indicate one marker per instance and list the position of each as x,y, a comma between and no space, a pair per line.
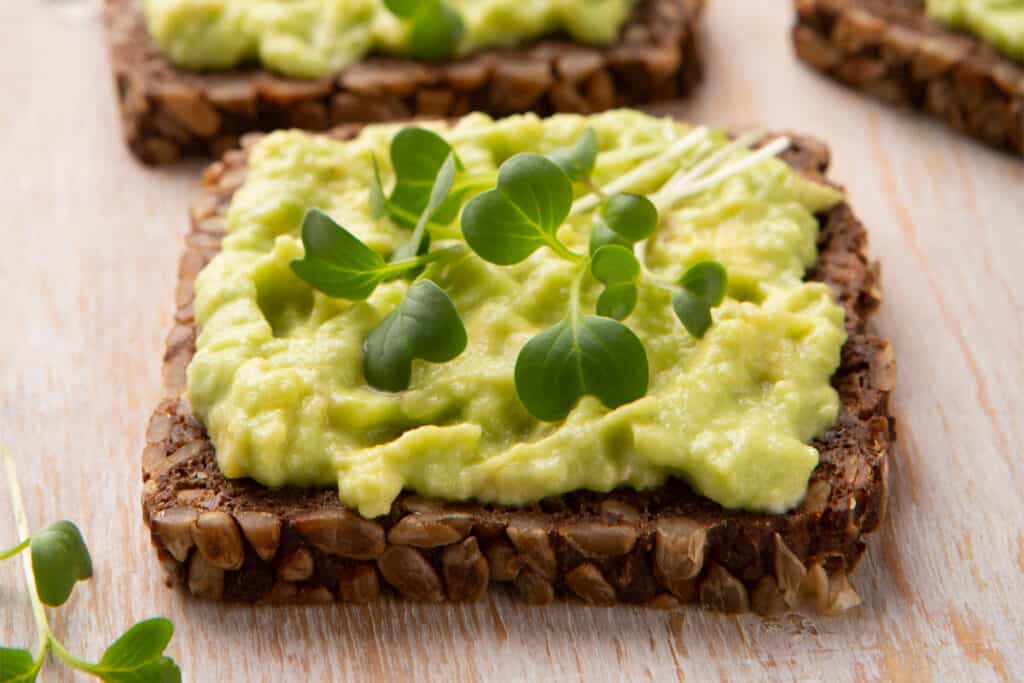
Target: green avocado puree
277,375
313,38
998,22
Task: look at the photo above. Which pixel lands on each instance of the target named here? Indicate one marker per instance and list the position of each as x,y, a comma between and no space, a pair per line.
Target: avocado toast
169,111
237,540
895,51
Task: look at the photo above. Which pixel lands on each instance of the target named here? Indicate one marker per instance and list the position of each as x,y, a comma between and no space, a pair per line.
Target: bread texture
168,112
236,540
894,51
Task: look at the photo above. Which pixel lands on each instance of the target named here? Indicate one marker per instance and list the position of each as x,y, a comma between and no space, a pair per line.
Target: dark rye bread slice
237,540
894,51
168,112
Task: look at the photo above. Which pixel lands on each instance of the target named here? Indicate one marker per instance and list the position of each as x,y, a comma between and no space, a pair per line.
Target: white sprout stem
590,201
613,157
21,521
705,165
668,200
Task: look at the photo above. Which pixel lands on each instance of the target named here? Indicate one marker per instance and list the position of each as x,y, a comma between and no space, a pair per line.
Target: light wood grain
91,241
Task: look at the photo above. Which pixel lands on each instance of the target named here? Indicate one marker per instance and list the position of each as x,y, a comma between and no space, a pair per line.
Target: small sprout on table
58,559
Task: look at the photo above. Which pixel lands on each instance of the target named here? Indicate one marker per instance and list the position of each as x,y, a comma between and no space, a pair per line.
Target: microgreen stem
667,199
68,658
564,251
21,522
620,156
410,263
435,228
476,181
590,201
11,552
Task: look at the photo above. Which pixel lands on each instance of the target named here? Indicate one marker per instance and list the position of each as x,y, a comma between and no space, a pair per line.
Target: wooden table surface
91,240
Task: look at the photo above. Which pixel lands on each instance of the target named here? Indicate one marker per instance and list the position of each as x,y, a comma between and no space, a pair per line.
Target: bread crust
892,50
239,541
168,112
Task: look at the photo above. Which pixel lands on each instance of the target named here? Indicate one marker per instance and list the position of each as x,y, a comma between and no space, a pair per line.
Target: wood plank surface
90,244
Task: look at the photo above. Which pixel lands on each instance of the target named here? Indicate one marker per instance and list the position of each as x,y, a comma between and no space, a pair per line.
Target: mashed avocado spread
998,22
277,375
312,38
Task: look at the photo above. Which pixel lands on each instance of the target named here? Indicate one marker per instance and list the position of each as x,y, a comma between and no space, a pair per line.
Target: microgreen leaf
417,155
577,160
507,224
425,325
692,312
617,301
337,262
411,248
419,243
405,9
701,288
160,670
59,559
615,264
707,281
601,235
137,656
17,666
581,355
378,202
632,216
435,31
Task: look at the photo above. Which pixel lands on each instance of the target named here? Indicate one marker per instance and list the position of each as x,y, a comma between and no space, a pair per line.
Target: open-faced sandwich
959,60
617,357
194,75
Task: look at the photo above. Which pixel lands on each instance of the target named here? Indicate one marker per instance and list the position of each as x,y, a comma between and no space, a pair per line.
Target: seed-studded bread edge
168,113
893,51
239,541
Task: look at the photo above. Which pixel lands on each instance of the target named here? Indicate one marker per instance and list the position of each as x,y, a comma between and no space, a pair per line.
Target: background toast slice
169,112
894,51
237,540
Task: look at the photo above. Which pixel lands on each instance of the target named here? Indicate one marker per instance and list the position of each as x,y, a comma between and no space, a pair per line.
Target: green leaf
141,643
59,559
406,9
615,264
584,355
137,656
632,216
577,160
161,670
701,288
507,224
419,243
425,325
417,156
693,312
435,32
707,281
601,235
617,301
378,202
17,666
337,262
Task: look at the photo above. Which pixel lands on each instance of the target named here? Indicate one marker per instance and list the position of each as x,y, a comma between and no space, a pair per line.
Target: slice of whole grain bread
893,50
169,112
237,540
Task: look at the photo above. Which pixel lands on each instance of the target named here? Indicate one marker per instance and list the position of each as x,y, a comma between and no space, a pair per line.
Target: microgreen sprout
57,559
